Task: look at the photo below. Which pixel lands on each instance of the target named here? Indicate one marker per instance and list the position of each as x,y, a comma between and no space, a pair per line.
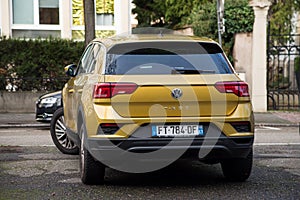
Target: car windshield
166,58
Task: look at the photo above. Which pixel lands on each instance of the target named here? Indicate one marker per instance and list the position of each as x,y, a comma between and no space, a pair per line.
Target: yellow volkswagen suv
137,103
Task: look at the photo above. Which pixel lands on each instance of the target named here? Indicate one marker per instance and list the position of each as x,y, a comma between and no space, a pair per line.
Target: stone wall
242,54
18,102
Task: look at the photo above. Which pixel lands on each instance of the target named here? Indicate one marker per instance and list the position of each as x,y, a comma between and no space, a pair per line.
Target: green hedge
36,64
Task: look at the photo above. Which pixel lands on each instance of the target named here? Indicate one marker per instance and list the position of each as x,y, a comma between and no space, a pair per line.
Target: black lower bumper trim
216,149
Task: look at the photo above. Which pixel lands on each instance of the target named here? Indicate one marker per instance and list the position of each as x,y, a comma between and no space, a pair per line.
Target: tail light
108,90
238,88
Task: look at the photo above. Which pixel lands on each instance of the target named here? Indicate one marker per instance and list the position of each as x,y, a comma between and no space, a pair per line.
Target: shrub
36,64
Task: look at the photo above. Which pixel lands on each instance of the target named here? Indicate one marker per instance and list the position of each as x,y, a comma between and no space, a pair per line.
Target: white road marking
276,144
267,128
42,145
10,131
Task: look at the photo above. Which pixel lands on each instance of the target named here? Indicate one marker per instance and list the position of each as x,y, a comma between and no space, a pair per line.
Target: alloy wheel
60,132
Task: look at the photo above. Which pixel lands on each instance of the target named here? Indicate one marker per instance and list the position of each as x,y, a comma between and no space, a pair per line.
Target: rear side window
166,58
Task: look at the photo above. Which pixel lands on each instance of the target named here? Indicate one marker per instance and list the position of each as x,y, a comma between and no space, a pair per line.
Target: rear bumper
213,149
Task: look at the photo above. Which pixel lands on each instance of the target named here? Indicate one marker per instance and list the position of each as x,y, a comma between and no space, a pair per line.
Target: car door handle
71,90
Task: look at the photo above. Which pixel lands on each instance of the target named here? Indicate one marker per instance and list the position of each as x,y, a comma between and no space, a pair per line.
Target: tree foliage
239,17
178,10
104,6
162,13
282,16
149,11
77,12
201,14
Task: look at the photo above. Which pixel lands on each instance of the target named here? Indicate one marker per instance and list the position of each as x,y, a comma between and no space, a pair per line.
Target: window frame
47,8
36,18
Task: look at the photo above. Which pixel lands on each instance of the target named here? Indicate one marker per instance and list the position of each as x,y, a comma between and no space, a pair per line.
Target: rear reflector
108,129
241,126
238,88
108,90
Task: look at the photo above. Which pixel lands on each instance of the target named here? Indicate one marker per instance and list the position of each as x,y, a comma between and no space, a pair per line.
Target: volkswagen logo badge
176,93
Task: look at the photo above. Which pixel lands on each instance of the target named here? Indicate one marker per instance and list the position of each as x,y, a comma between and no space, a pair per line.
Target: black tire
91,171
238,169
59,135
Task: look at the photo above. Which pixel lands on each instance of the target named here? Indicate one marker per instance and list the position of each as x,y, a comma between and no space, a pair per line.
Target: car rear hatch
170,80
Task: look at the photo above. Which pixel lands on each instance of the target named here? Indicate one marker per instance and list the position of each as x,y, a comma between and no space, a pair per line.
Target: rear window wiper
207,71
188,71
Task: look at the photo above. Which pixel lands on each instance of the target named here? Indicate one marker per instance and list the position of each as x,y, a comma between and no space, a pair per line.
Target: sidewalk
275,119
20,120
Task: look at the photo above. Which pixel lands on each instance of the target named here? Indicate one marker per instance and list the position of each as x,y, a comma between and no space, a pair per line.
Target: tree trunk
89,20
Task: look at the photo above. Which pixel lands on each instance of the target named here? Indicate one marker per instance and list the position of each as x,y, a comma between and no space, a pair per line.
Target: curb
24,126
276,125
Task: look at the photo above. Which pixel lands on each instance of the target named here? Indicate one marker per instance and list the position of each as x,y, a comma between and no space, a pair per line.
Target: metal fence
32,84
283,82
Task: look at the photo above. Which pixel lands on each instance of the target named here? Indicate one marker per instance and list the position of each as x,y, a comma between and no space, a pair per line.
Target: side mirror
70,70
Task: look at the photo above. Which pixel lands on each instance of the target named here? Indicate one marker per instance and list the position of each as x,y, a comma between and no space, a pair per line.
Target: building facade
61,18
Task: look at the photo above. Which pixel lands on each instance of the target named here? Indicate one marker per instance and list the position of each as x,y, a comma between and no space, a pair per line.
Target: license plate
177,130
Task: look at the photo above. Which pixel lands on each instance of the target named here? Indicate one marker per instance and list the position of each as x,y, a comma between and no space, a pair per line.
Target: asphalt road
32,168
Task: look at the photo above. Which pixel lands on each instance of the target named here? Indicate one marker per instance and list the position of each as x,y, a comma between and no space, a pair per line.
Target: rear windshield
166,58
